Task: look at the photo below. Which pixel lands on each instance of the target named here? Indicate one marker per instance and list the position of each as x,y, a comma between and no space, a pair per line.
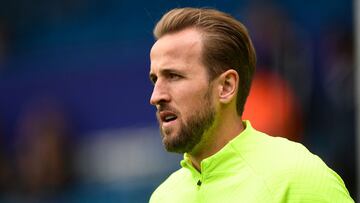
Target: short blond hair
226,43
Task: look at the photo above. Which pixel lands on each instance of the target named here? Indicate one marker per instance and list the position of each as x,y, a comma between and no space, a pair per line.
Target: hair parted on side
226,43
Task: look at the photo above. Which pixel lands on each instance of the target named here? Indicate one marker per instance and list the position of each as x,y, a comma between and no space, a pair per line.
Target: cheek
190,97
192,104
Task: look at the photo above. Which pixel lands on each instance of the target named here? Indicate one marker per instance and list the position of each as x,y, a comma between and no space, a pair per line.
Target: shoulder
265,153
290,170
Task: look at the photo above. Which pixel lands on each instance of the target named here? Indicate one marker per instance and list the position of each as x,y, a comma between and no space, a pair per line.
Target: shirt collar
223,159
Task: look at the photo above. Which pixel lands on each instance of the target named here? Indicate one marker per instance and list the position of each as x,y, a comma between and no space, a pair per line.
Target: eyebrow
164,72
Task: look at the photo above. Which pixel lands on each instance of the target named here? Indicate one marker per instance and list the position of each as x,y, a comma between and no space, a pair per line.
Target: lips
167,116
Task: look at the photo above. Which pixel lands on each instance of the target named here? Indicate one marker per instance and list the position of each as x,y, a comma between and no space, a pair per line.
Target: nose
160,94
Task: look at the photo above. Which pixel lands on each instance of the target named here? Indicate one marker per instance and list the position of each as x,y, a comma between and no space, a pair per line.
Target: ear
228,86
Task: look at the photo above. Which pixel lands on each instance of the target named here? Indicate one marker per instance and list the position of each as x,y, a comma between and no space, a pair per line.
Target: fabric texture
254,167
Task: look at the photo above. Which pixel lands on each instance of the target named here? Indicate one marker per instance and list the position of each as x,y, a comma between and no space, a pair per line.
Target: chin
169,138
171,144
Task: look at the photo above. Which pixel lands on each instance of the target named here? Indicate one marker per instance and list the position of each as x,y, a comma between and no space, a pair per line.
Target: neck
216,138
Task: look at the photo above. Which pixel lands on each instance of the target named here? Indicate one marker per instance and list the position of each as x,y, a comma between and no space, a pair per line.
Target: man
202,66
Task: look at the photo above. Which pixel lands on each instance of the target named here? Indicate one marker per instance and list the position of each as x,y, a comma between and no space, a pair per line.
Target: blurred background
75,119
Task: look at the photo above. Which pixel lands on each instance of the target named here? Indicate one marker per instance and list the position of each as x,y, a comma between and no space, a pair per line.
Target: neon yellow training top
254,167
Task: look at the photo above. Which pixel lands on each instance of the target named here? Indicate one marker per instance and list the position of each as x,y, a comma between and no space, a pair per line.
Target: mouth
167,116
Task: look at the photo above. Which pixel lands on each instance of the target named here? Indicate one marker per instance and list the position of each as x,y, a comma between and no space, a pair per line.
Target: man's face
182,93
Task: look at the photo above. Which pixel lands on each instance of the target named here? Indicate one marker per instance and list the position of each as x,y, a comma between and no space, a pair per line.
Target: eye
153,79
174,76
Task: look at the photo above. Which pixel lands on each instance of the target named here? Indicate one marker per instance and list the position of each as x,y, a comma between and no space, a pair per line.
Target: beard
192,131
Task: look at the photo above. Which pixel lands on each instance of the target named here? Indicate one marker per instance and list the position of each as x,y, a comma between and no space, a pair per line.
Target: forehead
180,47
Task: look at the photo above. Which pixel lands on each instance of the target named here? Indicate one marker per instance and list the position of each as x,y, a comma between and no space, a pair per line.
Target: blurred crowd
38,164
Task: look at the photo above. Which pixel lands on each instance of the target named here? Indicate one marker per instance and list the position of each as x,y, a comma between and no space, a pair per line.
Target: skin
182,88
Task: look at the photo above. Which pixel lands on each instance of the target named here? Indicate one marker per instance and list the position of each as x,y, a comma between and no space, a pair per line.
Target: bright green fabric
255,167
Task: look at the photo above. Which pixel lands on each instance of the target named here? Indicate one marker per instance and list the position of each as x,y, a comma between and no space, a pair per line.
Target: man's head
226,43
202,61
